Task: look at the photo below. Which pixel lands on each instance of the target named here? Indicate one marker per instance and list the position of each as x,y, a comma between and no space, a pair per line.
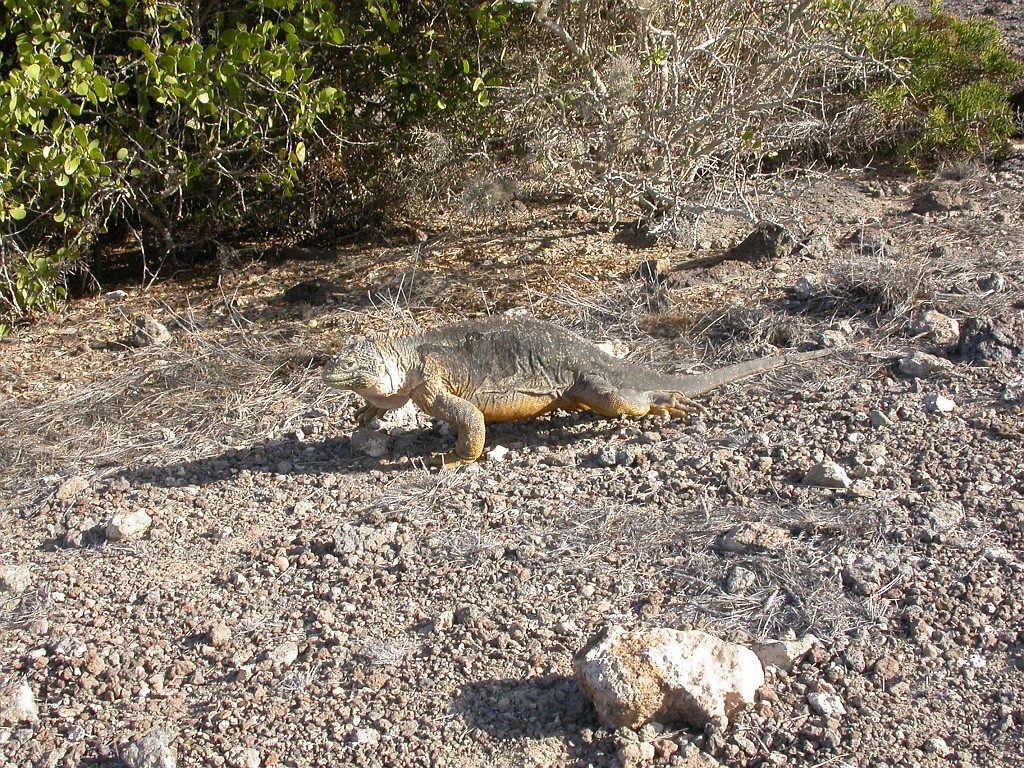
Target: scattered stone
945,514
937,745
220,634
827,474
497,453
152,751
71,488
636,753
125,526
866,574
444,621
994,282
315,292
939,403
354,539
936,327
826,704
879,418
993,341
285,654
740,581
784,654
147,331
366,737
692,757
15,578
833,339
769,242
753,537
244,757
809,287
612,456
370,442
921,365
17,702
936,201
666,675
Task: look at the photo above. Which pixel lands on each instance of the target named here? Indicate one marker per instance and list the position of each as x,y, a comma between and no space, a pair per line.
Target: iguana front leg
367,412
467,419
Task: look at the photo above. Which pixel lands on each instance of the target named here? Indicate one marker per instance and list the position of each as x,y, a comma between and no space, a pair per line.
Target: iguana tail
699,383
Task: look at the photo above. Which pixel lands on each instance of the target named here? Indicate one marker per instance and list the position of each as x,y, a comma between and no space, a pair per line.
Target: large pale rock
937,327
152,751
921,365
128,525
753,537
15,578
827,474
666,675
148,331
17,702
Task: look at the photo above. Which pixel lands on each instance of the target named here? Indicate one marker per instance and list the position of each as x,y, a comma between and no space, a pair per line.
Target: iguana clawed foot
368,412
678,408
446,461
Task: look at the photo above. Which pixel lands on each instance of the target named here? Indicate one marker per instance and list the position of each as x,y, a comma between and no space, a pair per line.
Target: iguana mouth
340,373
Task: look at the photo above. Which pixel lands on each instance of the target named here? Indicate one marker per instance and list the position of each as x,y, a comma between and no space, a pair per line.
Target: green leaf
300,152
18,212
33,71
71,164
60,216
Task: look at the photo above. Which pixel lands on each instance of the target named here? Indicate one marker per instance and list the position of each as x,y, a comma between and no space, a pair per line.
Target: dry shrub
663,110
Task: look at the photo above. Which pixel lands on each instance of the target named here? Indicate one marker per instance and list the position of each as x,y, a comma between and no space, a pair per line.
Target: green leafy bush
943,90
177,118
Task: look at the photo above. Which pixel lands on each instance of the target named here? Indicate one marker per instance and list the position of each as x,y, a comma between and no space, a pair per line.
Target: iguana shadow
530,710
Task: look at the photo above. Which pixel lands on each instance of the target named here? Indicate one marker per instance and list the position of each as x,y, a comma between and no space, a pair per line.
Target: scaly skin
506,369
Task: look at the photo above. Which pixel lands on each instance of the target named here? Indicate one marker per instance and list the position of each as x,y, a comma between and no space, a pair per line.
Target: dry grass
166,405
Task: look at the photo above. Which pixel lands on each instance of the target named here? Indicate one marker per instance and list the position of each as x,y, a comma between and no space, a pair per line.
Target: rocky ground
290,597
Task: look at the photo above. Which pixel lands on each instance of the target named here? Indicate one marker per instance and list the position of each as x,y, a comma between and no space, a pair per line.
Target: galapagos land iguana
505,369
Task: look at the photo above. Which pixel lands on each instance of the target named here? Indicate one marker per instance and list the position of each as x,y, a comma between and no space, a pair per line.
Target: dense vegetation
177,122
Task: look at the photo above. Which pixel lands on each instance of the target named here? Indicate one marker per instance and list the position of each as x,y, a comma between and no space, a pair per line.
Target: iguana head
360,367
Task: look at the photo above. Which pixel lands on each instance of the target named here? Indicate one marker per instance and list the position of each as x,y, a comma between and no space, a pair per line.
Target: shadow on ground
538,708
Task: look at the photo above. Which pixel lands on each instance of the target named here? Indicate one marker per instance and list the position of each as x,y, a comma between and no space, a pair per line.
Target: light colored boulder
827,704
921,365
827,474
939,403
148,331
128,525
15,578
17,702
666,675
753,537
936,327
150,751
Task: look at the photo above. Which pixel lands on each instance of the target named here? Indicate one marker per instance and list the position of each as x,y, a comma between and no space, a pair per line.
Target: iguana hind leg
611,402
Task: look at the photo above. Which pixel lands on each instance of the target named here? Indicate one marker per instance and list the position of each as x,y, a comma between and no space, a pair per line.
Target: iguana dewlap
505,369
